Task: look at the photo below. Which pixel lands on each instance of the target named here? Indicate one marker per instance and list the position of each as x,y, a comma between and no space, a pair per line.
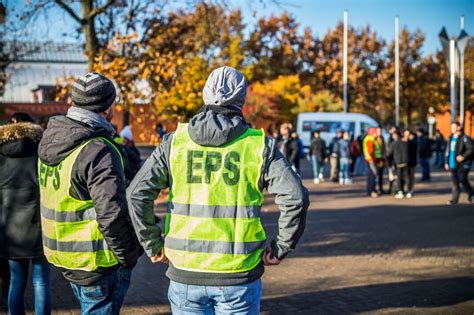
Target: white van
329,123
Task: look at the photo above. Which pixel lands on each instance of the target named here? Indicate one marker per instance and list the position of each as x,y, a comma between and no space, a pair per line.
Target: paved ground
358,255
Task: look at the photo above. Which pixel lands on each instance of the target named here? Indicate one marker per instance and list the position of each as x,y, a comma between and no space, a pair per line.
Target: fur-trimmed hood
20,139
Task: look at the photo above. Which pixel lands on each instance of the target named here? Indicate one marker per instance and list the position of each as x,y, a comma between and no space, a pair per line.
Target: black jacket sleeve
294,151
100,175
312,147
468,148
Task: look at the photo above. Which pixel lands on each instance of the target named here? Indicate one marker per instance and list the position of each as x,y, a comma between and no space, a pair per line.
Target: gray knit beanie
225,87
93,92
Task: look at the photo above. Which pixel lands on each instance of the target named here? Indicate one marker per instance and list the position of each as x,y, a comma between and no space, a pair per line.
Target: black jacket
334,146
97,174
463,147
412,153
398,153
290,149
424,147
20,224
318,148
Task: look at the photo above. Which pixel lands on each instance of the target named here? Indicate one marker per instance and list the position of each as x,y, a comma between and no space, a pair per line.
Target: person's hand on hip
269,259
160,257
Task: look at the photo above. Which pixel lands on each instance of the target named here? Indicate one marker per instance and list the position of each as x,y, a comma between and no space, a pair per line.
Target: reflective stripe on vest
71,237
213,218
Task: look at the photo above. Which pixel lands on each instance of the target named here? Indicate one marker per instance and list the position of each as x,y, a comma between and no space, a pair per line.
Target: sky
321,15
427,15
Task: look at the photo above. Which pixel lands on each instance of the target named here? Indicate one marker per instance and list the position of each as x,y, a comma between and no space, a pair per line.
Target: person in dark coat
424,154
412,158
381,163
294,151
334,157
355,150
398,155
317,150
359,168
20,224
97,175
440,149
392,169
459,154
344,159
288,145
130,153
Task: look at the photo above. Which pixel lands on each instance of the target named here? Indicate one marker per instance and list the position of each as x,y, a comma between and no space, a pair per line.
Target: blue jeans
195,299
106,295
318,165
359,168
425,168
439,159
41,271
344,168
372,171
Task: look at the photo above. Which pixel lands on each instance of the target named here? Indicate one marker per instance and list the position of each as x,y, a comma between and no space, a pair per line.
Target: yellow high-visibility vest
213,219
71,237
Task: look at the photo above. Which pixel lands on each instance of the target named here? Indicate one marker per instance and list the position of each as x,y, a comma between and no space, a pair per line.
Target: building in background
32,74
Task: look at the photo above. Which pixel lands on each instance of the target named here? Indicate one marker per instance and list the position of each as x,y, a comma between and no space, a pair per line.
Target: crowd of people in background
389,163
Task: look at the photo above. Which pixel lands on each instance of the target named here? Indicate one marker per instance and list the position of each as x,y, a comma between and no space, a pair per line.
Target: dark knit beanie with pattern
93,92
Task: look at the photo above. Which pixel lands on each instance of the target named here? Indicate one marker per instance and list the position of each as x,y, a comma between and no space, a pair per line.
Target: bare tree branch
69,10
100,10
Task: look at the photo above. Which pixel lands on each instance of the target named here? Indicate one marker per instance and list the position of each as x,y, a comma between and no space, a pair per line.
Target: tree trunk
88,28
409,110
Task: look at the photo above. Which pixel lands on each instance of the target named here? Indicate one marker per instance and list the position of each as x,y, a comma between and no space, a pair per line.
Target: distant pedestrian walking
440,149
392,169
459,154
318,155
382,160
424,154
359,167
297,151
412,157
20,223
356,151
399,153
130,154
289,146
334,157
344,154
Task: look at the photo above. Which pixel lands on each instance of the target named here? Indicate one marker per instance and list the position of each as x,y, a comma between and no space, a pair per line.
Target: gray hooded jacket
211,128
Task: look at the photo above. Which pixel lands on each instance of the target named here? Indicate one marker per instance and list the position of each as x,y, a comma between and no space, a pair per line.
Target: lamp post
462,42
397,73
456,64
452,68
344,63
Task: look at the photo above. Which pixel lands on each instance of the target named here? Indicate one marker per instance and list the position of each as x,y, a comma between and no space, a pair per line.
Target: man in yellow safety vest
217,168
86,227
373,155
